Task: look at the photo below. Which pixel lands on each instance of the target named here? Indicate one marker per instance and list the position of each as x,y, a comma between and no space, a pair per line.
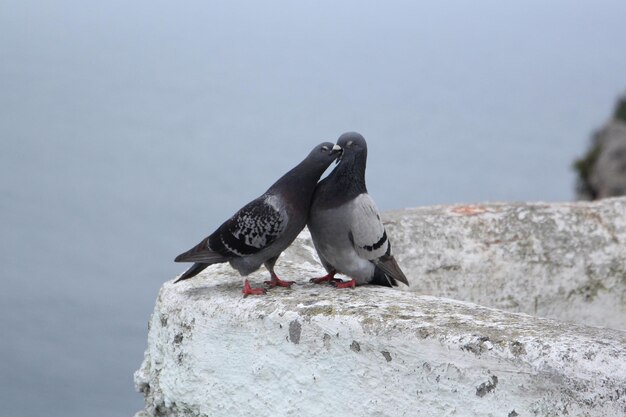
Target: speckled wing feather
253,228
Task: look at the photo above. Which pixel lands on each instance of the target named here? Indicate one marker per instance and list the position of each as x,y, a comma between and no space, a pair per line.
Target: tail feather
382,279
202,256
192,272
201,253
390,267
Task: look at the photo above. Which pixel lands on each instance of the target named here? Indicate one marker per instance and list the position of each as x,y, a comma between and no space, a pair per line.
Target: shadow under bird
345,224
260,231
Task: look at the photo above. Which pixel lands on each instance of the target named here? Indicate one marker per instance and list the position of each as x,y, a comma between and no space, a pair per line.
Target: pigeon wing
367,233
253,228
369,238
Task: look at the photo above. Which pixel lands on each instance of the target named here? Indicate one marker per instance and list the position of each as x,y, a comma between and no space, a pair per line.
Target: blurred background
131,130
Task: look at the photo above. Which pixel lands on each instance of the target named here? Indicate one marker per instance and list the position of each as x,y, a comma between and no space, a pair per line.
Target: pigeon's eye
324,148
349,144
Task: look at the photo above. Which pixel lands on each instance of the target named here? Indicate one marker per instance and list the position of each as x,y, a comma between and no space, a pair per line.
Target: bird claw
277,282
323,279
337,283
320,280
253,291
248,290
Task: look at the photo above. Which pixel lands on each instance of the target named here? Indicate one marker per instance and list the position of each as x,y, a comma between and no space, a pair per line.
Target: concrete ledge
565,261
313,350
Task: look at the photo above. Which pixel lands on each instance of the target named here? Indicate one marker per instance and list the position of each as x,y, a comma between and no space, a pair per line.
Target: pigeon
258,233
345,225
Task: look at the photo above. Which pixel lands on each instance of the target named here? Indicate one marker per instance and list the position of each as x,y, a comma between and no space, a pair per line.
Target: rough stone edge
568,362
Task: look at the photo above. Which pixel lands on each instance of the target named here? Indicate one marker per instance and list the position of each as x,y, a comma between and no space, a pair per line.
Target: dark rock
602,171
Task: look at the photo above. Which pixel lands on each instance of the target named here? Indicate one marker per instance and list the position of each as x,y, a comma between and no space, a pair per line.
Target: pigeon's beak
336,150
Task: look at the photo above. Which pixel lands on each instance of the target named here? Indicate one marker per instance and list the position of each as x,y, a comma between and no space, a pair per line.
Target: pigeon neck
351,172
300,181
348,179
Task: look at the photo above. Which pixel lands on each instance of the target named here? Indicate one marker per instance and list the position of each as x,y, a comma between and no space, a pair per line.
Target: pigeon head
352,145
347,180
324,154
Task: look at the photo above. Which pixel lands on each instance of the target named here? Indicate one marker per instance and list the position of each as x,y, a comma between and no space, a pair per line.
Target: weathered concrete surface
316,351
313,350
565,261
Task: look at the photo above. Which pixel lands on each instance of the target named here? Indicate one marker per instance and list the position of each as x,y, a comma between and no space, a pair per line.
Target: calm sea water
130,130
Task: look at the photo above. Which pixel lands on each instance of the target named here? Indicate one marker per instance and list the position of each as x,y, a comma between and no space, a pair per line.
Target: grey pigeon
258,233
345,225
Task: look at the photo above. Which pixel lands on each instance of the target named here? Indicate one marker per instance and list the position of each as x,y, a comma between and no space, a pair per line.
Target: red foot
325,278
341,284
248,290
278,282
